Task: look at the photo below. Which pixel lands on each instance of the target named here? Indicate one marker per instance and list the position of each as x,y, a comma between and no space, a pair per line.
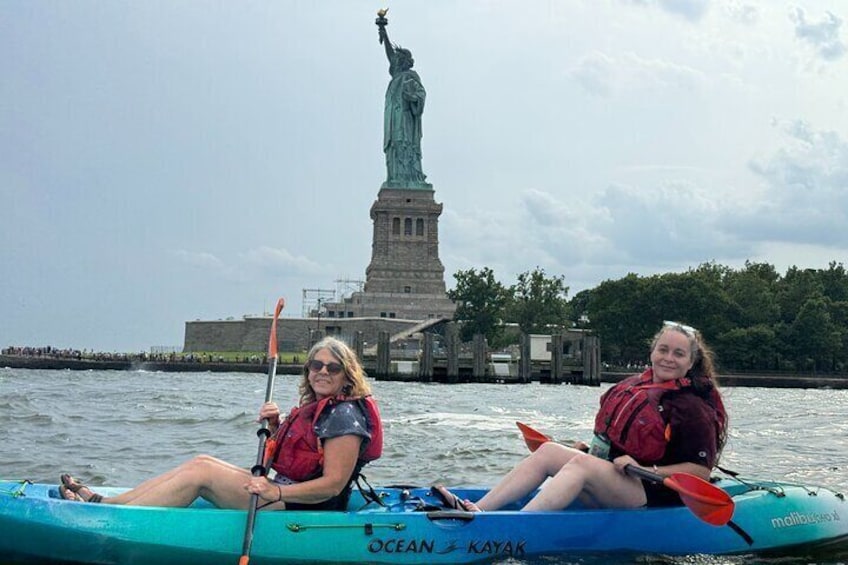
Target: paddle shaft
264,433
645,474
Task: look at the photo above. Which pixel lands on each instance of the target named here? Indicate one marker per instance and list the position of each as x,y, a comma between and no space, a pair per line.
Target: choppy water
118,428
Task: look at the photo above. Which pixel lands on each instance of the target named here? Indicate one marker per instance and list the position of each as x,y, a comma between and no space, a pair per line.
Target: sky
166,161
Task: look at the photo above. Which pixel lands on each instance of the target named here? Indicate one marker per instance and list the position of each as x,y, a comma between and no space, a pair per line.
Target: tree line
753,318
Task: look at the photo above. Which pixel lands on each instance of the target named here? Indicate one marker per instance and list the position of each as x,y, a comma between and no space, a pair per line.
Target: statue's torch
382,22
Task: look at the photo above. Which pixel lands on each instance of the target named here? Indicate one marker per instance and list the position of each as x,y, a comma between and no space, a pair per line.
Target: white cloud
202,259
806,197
602,74
254,265
692,10
744,12
278,261
823,35
595,73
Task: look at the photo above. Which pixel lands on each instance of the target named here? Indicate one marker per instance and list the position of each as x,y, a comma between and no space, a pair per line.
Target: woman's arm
691,468
665,470
340,456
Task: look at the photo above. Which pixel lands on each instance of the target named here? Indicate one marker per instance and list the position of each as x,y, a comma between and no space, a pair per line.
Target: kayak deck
409,525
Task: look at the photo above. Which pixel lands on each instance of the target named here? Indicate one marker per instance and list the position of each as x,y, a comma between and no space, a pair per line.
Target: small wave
166,420
37,419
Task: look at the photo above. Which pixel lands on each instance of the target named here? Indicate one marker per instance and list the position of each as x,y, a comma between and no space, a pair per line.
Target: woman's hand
580,446
271,411
623,461
265,489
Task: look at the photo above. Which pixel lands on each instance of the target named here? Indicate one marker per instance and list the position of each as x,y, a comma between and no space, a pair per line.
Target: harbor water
120,427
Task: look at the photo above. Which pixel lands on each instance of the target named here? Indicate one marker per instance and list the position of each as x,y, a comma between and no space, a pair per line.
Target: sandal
68,494
79,490
451,500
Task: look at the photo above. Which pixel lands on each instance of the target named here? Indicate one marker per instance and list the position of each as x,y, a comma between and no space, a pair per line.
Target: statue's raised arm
405,97
382,22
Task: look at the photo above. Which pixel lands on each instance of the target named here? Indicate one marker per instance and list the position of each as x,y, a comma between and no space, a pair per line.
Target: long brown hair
702,374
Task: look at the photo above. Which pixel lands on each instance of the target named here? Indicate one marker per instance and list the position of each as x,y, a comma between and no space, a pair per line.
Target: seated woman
680,426
316,451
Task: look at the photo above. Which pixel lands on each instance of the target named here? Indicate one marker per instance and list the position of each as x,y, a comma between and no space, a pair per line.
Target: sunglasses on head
333,368
688,330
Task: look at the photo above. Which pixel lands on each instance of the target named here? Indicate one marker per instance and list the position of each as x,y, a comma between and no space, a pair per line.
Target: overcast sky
168,161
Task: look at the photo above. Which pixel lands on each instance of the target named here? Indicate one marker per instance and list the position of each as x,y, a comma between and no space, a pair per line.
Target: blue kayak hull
36,525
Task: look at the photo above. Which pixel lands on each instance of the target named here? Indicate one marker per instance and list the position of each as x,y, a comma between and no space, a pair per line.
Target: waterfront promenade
177,365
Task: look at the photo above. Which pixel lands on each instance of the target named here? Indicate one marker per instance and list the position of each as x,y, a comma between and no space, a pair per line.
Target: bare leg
213,479
595,481
528,475
572,474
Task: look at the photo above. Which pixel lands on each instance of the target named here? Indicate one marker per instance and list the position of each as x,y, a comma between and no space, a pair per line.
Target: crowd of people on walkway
164,357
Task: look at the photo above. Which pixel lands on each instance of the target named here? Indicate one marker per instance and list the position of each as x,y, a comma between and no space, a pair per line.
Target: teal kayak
408,525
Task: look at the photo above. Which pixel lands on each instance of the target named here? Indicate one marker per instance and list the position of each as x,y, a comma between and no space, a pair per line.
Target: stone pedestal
405,278
405,244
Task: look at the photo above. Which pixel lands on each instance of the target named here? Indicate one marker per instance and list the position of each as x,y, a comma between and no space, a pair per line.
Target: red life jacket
297,452
631,416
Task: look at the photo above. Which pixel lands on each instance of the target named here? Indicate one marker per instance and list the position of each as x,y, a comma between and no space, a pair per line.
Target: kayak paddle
263,432
706,501
533,438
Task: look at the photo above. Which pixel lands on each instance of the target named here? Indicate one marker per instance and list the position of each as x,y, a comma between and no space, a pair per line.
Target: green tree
753,318
696,297
480,302
815,339
538,302
616,311
749,348
796,287
835,282
752,293
839,317
579,307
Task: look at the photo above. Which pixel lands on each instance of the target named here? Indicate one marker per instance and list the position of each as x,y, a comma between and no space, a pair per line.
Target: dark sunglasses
333,368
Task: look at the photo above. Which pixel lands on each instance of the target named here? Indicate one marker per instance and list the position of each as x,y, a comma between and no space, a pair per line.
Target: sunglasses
333,368
688,330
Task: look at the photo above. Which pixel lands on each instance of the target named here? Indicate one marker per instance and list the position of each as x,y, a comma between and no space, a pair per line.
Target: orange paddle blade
707,501
532,438
272,339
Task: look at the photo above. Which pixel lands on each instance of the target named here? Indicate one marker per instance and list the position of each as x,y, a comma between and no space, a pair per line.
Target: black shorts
335,503
659,495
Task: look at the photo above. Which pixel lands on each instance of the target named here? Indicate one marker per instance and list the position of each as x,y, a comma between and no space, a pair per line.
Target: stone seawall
32,362
293,334
62,363
766,381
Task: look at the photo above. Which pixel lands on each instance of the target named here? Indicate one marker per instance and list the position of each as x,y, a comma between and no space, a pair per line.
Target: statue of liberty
405,97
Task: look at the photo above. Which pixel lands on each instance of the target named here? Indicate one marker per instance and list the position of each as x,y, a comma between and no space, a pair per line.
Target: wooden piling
478,348
452,351
425,363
